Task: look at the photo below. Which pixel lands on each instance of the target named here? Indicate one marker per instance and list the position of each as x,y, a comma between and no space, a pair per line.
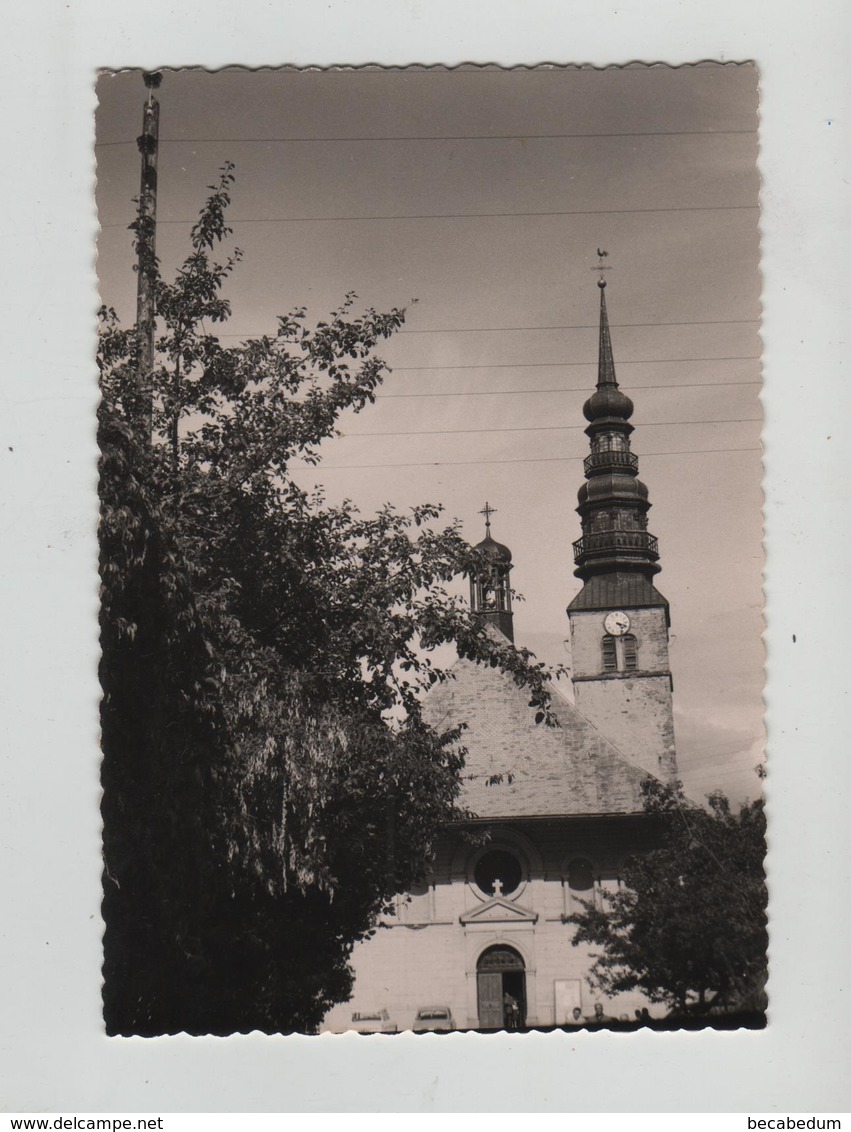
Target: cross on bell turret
487,511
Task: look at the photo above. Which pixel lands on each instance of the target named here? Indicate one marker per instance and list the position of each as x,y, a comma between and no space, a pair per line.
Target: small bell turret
490,588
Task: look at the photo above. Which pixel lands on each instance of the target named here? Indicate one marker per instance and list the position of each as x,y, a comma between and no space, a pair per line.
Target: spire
613,503
608,404
490,589
606,361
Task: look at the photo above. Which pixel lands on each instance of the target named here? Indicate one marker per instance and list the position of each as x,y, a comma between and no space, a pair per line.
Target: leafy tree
269,781
688,926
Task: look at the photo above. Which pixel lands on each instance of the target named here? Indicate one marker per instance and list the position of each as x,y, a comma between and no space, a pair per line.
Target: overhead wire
546,428
432,137
576,326
523,329
521,460
467,215
572,389
559,365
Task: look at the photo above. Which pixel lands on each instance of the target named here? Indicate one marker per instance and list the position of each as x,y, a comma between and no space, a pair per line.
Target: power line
558,365
577,389
580,326
511,329
468,215
436,138
544,428
539,460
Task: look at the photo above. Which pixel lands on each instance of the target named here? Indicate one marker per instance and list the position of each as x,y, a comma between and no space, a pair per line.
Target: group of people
514,1016
600,1018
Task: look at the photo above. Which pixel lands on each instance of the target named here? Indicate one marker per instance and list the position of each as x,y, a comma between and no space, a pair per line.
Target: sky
477,199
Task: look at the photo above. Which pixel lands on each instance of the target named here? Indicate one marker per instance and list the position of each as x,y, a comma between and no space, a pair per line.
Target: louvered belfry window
620,654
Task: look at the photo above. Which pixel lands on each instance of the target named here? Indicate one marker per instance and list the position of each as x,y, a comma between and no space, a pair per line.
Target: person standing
511,1011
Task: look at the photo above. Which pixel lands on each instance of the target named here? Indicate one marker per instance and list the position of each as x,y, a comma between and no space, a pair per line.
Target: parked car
435,1019
373,1022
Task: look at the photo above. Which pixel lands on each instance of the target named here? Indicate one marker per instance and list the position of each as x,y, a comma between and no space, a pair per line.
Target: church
484,943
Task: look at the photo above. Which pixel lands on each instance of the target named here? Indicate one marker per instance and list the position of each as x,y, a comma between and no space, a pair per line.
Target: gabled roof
543,771
499,910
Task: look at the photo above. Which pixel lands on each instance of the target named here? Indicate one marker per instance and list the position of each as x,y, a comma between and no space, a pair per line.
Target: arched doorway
501,979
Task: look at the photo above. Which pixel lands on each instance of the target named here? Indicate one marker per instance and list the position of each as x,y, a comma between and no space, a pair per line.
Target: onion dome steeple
490,589
616,556
608,403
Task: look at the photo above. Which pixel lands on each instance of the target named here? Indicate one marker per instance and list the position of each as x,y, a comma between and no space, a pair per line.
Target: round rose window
498,873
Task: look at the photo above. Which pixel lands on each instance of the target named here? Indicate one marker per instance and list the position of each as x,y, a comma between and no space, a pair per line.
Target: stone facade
428,954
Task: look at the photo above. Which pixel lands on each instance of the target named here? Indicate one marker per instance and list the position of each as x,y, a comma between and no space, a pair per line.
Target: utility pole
146,268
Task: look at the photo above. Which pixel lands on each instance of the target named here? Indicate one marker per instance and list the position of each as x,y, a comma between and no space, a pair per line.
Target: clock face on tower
616,624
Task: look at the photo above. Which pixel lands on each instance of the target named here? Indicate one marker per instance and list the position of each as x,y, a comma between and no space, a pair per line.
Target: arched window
610,654
414,907
580,884
580,876
491,591
610,442
486,593
630,652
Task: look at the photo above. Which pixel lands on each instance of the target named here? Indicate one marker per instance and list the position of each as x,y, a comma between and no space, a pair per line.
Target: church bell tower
619,620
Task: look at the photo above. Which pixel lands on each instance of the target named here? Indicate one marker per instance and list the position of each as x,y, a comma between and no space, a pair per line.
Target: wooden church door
490,1000
501,979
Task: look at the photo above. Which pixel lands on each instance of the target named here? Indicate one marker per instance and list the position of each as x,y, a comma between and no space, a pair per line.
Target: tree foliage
269,781
688,926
